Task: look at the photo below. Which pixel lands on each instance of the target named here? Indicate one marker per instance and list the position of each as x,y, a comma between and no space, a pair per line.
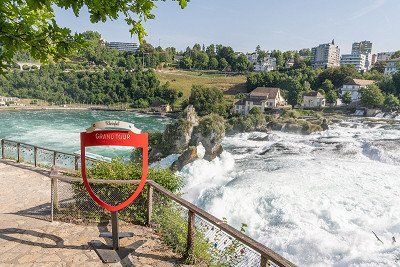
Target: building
123,47
314,100
392,66
262,98
384,56
289,63
253,57
267,64
7,99
364,47
354,86
359,61
325,56
160,108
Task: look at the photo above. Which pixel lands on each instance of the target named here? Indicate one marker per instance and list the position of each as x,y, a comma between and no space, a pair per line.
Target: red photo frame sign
115,138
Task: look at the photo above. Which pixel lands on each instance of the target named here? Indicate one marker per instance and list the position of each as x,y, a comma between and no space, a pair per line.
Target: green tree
242,63
31,26
391,103
331,96
186,63
327,86
223,64
346,98
207,100
213,63
372,96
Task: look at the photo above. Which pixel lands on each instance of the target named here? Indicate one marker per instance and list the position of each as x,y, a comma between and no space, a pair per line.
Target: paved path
26,241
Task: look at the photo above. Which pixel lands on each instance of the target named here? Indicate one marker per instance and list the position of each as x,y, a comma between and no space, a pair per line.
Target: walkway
27,241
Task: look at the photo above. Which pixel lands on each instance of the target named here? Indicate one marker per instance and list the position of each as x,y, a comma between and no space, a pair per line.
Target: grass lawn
183,81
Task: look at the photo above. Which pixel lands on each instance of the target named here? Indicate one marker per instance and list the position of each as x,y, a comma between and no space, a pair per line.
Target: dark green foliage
391,103
113,193
372,96
110,86
207,100
346,98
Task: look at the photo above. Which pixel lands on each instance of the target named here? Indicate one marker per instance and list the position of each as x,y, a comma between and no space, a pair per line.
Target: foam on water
314,199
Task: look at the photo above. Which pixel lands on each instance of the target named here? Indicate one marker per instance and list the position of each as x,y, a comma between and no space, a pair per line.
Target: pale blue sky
274,24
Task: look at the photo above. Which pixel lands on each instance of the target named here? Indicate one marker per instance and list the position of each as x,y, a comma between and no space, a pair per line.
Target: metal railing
260,255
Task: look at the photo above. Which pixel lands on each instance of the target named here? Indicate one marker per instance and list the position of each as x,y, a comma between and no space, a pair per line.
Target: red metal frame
115,138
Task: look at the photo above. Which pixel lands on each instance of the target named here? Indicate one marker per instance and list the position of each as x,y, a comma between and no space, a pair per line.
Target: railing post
54,186
76,163
54,158
190,235
35,156
3,152
264,261
18,152
149,203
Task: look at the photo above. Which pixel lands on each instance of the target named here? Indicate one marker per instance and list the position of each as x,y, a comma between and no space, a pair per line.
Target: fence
70,202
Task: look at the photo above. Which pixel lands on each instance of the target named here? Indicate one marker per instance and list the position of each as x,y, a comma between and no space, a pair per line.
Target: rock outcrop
210,132
185,158
183,136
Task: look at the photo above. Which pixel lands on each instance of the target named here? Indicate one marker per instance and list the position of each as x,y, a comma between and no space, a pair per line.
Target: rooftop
361,82
314,94
265,92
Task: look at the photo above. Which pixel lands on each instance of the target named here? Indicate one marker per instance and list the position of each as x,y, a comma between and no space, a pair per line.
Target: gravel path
27,241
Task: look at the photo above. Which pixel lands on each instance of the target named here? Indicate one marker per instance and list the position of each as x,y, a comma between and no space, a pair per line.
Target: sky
272,24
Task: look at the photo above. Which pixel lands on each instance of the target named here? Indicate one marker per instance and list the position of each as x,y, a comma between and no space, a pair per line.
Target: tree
207,100
186,63
346,98
213,63
327,86
242,63
372,96
391,103
331,96
30,25
223,64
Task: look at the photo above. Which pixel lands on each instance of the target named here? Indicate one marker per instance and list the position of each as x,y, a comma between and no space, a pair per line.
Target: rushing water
60,130
314,199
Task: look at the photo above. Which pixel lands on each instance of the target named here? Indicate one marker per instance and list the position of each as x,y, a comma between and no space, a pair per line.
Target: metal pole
149,204
35,156
3,152
190,234
54,158
115,230
18,152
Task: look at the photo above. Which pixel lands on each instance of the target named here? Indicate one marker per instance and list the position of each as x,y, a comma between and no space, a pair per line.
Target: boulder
187,157
210,132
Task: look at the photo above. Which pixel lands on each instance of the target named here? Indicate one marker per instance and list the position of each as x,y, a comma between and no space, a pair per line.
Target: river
314,199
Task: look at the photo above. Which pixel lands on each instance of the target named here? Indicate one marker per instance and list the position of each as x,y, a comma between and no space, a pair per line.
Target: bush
113,193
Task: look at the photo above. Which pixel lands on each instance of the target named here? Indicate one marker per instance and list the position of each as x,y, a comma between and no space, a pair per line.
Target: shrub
115,193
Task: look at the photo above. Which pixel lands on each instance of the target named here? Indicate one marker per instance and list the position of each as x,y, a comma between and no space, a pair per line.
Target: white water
314,199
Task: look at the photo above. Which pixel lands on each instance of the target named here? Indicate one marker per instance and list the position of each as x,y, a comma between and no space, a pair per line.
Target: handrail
267,255
260,248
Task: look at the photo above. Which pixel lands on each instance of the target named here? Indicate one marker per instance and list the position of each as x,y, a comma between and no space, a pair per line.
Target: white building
384,56
392,66
364,47
325,56
359,61
123,47
262,98
354,86
314,100
6,99
267,64
253,57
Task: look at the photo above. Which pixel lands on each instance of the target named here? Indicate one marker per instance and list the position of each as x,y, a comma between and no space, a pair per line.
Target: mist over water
314,199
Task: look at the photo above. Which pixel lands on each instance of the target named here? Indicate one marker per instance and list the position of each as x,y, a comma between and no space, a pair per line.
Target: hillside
183,80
